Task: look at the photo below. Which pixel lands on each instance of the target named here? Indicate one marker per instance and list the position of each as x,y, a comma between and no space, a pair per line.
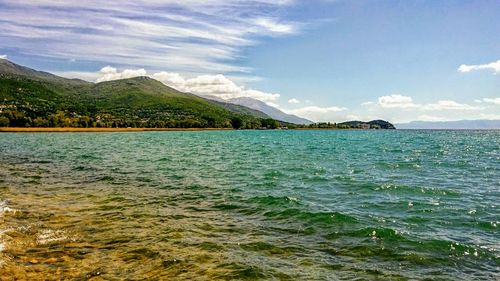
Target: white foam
2,261
3,209
6,209
47,236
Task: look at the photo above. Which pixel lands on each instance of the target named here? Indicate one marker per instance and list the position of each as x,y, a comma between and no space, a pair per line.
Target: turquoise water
251,205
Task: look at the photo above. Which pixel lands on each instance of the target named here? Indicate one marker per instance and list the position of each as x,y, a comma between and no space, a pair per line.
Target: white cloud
213,85
406,103
320,114
273,26
400,108
494,66
110,73
491,116
204,85
294,101
396,101
171,79
318,109
492,100
449,105
4,57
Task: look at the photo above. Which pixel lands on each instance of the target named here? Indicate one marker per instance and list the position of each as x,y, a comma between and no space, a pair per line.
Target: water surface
251,205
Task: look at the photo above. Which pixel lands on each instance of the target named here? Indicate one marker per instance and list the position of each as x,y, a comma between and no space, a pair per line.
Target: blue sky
327,60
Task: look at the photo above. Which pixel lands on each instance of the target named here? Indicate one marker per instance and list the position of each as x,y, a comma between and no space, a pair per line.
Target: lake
251,205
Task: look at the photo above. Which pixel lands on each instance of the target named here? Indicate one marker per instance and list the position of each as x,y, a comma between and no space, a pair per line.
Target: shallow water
251,205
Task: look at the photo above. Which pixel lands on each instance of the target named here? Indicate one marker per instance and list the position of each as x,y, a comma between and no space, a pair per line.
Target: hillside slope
34,98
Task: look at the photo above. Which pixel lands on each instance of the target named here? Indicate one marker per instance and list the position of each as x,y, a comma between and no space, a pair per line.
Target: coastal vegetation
375,124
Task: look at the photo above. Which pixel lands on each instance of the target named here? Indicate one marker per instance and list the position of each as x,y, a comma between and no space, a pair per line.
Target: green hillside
30,98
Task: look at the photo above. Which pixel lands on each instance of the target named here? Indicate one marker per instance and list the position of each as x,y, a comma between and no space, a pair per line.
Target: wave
291,208
377,241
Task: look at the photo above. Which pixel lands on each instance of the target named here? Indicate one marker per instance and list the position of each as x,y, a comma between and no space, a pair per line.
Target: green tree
57,119
4,121
237,122
270,123
40,122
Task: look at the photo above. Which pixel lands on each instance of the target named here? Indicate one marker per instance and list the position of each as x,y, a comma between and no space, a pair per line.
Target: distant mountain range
263,107
273,112
462,124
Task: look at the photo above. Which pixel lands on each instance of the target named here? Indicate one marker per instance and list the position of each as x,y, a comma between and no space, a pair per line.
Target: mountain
31,98
462,124
269,110
8,67
240,108
34,98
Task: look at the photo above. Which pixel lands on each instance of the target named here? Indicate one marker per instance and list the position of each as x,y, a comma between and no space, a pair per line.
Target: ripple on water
245,205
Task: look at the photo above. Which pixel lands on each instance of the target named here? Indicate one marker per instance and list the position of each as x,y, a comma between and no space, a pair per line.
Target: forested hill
30,98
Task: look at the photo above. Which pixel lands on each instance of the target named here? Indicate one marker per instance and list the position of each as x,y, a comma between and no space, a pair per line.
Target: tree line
16,118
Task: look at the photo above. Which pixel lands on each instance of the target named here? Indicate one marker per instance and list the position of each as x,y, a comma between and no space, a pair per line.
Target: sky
326,60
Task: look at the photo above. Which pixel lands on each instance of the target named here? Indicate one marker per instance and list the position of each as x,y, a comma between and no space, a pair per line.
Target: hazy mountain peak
273,112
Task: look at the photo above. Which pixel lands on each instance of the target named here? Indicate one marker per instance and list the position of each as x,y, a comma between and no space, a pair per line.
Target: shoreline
98,130
111,130
125,130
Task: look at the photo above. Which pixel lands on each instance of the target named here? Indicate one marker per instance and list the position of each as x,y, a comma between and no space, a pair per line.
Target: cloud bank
406,103
401,108
492,100
204,85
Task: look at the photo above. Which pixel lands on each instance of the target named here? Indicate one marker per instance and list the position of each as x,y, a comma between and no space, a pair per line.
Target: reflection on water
335,205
